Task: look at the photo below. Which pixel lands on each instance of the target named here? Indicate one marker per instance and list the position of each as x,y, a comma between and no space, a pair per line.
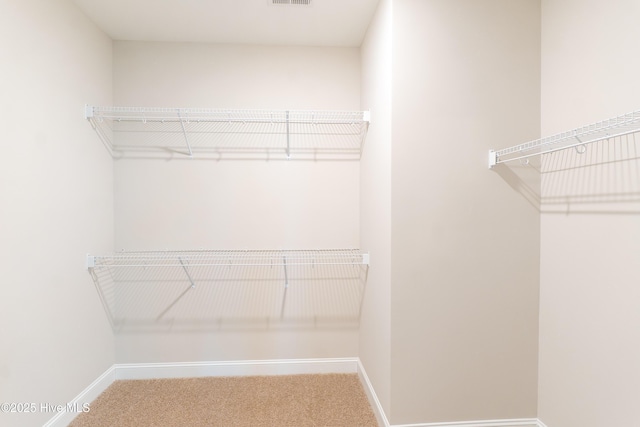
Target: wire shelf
153,289
577,138
229,133
220,258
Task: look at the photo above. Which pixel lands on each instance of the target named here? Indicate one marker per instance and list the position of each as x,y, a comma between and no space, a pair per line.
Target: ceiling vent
291,2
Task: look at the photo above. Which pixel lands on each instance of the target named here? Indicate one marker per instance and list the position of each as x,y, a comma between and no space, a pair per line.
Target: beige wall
450,319
464,244
375,204
237,204
56,204
589,298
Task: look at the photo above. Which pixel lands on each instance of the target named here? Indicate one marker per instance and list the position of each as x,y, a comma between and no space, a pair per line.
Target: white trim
88,395
132,371
519,422
384,422
378,410
137,371
349,365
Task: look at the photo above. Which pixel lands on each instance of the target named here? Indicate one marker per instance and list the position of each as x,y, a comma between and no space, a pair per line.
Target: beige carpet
290,400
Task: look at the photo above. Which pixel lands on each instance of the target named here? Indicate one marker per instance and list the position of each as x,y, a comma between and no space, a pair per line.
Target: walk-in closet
357,212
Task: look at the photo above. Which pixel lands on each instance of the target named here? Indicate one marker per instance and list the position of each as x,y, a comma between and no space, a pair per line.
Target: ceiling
322,23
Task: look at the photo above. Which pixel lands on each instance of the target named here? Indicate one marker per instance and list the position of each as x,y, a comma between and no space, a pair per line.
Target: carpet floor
330,400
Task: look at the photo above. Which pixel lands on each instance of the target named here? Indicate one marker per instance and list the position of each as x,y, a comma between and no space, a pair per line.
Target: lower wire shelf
204,289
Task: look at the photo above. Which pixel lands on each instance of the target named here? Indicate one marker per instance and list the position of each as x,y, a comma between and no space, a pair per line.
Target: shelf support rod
186,138
286,285
175,301
184,267
288,151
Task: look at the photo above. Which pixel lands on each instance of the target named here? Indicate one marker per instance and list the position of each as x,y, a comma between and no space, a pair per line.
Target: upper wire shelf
221,258
229,133
577,138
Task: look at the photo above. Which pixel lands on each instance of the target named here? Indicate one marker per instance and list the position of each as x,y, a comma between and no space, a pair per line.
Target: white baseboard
519,422
88,395
349,365
138,371
384,422
373,398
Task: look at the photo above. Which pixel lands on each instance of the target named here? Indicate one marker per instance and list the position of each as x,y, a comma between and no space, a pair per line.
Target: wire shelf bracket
286,285
184,131
579,138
